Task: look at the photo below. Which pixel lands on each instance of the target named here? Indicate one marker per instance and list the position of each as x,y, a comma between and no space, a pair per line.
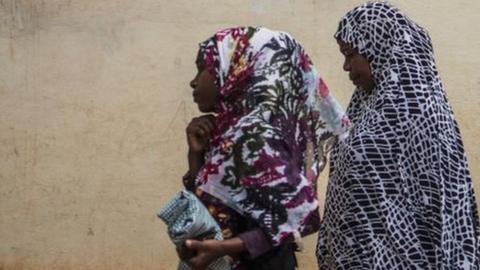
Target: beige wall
94,99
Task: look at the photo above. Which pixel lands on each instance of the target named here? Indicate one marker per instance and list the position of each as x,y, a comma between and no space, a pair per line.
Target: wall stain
19,17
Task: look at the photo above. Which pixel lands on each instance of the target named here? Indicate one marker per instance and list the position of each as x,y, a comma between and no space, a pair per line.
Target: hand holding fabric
187,218
205,252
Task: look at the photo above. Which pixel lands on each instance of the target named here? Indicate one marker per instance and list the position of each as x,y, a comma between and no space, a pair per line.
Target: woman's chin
364,88
205,109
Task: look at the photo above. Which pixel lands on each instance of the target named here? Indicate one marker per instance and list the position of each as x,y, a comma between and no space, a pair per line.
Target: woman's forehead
200,59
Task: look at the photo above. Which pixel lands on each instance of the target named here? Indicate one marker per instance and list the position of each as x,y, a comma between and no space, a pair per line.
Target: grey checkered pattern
187,218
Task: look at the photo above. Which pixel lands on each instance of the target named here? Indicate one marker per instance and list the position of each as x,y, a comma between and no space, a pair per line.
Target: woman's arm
253,242
208,251
195,162
198,132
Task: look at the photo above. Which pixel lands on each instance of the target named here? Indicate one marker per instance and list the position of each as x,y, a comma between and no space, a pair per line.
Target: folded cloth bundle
187,218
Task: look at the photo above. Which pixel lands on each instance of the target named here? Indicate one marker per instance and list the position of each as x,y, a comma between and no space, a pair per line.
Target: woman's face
357,66
205,91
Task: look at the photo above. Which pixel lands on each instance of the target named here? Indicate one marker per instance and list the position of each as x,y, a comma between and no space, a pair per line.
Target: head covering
273,109
400,194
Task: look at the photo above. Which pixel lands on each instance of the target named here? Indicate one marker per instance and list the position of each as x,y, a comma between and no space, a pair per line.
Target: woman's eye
348,53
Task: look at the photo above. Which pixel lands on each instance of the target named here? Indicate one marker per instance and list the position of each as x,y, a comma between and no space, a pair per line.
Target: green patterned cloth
187,218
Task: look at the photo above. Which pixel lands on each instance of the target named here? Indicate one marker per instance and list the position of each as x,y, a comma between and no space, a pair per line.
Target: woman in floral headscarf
400,194
255,163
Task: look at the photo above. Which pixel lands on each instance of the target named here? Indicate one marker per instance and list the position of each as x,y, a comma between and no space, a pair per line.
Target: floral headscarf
274,108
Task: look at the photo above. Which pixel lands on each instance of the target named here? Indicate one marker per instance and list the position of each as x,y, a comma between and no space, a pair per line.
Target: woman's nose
193,83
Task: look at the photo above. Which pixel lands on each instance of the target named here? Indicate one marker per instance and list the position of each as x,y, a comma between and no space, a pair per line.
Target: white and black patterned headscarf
400,194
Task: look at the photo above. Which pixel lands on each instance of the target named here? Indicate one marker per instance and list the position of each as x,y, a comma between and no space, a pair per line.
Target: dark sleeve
256,242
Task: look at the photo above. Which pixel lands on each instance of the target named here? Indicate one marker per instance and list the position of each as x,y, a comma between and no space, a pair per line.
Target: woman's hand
199,132
206,252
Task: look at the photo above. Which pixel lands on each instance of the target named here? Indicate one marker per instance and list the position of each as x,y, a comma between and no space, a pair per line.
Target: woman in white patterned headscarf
400,194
